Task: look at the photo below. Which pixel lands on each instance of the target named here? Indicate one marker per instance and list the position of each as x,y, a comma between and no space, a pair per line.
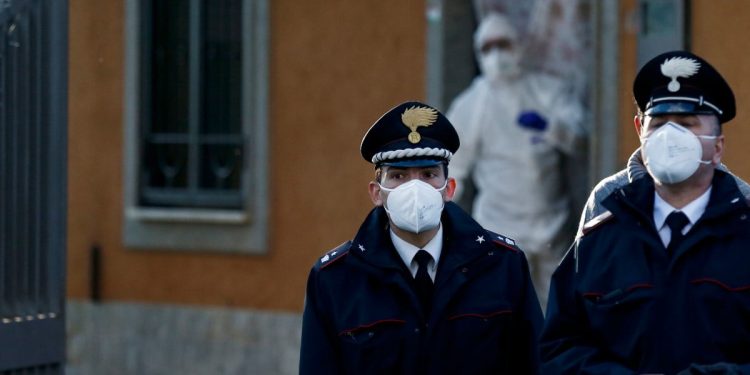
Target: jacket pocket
371,333
373,347
726,296
727,287
616,314
725,305
629,294
474,326
482,337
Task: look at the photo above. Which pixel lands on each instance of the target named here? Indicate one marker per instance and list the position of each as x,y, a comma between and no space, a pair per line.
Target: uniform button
416,330
490,253
371,334
464,270
743,217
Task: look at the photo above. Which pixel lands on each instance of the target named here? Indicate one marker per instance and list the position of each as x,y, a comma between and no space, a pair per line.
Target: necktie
676,221
423,280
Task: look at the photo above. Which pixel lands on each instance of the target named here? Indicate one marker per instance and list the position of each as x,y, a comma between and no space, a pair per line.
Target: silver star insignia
361,248
480,239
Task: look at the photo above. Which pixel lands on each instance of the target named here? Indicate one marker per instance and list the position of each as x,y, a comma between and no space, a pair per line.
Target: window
196,124
662,27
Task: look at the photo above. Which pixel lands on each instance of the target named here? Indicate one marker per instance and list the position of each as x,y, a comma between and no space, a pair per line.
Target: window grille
191,81
196,92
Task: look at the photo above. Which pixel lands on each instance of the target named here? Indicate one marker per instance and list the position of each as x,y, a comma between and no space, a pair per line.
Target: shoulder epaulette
503,241
595,222
334,254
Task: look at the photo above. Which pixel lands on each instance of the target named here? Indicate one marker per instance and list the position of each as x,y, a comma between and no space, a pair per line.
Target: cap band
682,99
412,152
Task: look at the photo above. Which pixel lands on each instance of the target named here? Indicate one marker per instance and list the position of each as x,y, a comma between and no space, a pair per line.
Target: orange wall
719,30
336,66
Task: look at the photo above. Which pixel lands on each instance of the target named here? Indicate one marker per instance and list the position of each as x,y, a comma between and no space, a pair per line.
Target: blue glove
532,120
720,368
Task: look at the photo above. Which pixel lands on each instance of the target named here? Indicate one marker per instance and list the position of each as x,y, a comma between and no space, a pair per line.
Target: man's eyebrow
395,169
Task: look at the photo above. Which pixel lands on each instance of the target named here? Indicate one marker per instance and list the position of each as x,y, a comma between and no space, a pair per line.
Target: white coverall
518,173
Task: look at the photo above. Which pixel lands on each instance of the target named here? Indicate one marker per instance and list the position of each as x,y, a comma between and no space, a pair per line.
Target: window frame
234,230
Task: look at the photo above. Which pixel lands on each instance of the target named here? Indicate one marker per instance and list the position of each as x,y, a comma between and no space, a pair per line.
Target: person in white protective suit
516,125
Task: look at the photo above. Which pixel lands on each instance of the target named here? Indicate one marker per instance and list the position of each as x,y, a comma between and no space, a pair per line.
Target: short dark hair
717,126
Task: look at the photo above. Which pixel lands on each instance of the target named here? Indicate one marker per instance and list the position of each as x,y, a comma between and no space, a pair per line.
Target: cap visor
413,163
677,107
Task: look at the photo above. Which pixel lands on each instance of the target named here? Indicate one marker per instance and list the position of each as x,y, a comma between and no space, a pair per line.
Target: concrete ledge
133,338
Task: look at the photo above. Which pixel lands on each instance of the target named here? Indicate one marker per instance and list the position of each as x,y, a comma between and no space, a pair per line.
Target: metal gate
33,125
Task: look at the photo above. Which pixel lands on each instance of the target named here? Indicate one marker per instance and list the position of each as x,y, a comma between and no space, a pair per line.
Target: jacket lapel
725,199
634,205
465,241
373,253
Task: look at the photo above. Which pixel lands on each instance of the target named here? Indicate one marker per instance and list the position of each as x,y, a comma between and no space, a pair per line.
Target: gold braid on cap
415,117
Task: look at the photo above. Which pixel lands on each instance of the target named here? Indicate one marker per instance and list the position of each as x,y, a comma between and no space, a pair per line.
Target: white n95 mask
414,206
497,64
673,153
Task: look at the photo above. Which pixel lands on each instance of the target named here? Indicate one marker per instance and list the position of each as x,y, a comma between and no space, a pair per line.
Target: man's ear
450,189
374,190
638,125
718,149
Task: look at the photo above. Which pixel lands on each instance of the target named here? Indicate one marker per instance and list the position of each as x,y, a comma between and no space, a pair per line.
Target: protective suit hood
494,26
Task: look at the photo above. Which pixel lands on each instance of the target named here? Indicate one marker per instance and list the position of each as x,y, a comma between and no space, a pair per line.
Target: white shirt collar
693,210
407,252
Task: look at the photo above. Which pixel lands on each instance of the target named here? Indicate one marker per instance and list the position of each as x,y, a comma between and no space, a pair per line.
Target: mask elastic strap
706,162
385,188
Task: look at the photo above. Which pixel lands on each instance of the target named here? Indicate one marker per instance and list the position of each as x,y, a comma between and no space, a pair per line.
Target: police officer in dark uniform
660,282
422,288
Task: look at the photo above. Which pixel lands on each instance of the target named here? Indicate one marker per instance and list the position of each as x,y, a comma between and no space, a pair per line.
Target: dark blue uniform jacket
619,305
363,317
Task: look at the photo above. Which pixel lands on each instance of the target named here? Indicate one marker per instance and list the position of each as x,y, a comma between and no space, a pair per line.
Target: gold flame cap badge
415,117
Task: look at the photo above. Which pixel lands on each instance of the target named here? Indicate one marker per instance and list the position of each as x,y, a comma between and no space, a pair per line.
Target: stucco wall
336,65
718,33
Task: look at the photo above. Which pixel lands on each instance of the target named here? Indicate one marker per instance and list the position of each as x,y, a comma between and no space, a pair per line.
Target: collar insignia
415,117
678,67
